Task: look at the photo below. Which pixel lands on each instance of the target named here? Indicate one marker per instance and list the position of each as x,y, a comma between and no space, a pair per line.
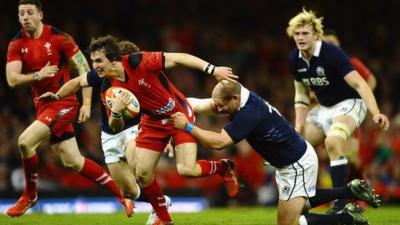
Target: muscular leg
290,211
313,134
72,158
341,129
123,172
186,164
145,168
186,156
28,142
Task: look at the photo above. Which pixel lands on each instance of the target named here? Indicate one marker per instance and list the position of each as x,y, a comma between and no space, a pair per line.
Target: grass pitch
213,216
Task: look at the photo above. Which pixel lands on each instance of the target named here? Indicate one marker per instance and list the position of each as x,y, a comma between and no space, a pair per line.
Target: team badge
320,71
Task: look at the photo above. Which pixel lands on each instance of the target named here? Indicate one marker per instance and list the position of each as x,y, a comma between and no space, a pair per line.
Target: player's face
29,17
305,38
227,106
100,63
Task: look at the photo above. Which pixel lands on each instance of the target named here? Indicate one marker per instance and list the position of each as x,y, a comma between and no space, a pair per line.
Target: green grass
213,216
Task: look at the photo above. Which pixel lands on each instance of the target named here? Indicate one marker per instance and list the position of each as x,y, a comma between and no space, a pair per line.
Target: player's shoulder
293,55
55,31
134,59
18,36
331,50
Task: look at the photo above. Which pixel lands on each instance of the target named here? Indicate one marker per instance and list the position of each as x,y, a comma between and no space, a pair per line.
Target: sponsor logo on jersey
315,81
170,105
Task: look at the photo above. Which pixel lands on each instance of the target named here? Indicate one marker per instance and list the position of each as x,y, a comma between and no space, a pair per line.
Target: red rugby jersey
52,46
145,78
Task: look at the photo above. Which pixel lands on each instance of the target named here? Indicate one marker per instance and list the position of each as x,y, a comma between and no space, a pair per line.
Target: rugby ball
131,110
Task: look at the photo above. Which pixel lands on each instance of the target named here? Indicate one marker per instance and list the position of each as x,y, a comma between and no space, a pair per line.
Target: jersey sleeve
360,67
153,61
242,125
67,45
93,79
343,64
14,52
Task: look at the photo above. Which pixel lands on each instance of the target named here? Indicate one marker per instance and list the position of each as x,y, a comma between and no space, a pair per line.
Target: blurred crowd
248,36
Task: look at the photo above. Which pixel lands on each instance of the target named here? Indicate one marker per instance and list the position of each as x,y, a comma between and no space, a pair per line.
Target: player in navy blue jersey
272,136
343,94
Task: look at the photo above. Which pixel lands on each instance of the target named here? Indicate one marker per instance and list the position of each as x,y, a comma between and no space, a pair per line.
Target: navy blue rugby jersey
269,133
95,81
324,73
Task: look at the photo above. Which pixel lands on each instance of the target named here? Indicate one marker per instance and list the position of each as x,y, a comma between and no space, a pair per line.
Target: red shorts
154,134
59,117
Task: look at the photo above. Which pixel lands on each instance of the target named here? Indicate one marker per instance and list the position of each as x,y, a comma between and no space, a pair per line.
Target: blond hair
306,18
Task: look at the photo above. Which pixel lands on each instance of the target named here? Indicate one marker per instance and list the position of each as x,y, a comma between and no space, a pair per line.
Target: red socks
155,195
31,168
212,167
96,173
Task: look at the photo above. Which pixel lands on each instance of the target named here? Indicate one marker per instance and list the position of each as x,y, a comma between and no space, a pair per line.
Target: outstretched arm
220,72
79,62
72,86
210,139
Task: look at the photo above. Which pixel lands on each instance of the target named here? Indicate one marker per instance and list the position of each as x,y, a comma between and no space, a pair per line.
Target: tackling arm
208,138
205,106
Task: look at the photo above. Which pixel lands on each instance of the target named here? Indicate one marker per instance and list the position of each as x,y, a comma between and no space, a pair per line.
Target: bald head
225,90
226,96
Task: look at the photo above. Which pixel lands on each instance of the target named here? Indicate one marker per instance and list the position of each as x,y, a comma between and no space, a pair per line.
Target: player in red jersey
352,145
143,74
35,58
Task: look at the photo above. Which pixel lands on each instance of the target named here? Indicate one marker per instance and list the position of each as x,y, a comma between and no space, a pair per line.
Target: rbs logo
315,81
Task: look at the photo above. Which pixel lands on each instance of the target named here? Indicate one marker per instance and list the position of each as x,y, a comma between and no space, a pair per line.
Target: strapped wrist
209,68
57,97
116,115
188,128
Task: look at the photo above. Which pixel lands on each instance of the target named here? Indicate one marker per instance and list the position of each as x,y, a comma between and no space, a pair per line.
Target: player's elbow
12,83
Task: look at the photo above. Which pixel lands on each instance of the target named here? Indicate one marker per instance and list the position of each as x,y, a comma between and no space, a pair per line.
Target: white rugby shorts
300,177
114,145
322,116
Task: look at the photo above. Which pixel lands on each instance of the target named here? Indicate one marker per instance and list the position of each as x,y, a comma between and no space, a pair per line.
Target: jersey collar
244,96
316,51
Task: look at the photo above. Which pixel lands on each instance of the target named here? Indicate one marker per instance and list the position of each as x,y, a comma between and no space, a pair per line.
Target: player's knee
185,170
23,143
333,145
129,192
74,164
144,176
